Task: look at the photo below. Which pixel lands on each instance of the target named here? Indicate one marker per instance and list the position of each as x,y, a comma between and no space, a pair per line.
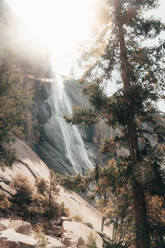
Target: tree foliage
141,74
14,102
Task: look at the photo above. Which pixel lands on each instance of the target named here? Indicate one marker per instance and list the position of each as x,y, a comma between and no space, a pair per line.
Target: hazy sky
64,50
161,11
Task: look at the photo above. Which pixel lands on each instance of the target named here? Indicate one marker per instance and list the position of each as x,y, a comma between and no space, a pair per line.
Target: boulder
55,226
79,207
30,162
53,242
5,194
8,244
27,164
76,235
7,189
5,222
21,227
57,221
11,239
2,227
56,231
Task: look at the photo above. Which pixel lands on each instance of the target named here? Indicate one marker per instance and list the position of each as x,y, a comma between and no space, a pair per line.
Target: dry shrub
42,185
77,218
42,240
41,206
91,243
23,189
52,210
26,203
63,211
5,205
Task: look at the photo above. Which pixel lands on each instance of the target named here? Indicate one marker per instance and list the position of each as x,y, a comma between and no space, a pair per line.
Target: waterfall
66,138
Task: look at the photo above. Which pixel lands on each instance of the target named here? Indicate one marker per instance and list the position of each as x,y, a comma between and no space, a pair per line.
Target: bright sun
59,24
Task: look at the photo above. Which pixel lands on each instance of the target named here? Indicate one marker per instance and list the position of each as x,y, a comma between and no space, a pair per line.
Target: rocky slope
72,231
19,234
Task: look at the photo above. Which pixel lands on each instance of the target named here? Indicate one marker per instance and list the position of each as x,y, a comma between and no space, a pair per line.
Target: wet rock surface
61,155
51,145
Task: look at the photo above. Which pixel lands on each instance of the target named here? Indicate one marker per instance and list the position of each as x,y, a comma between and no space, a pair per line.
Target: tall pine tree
141,83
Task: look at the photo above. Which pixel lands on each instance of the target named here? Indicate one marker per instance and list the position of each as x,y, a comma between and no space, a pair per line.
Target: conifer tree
13,102
131,109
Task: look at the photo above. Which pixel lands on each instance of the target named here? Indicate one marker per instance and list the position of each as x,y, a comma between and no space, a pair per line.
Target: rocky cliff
83,220
72,231
51,147
35,68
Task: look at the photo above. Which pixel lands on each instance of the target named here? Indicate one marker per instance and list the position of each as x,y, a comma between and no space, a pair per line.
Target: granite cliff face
62,147
54,132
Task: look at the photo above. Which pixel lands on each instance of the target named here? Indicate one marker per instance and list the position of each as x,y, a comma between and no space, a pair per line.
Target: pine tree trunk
141,218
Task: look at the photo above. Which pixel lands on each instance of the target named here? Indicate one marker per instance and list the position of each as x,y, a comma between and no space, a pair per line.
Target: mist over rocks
51,145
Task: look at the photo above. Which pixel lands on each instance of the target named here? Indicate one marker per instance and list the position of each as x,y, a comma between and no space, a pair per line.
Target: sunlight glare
59,24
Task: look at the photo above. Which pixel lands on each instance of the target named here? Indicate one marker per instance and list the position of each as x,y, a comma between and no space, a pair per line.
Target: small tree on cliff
13,102
141,80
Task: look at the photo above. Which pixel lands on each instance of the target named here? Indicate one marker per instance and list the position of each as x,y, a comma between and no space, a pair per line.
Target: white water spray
66,137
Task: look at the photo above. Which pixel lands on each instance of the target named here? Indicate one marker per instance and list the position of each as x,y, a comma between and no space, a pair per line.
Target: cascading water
67,138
